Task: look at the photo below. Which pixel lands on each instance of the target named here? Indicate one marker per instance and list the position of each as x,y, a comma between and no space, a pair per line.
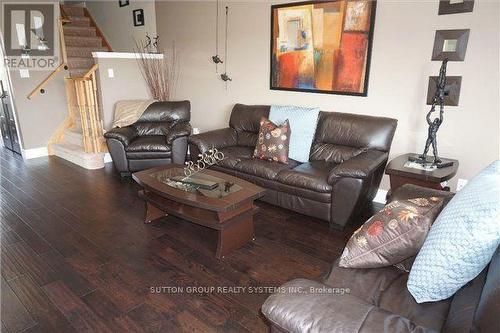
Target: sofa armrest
308,306
219,139
177,131
123,134
360,166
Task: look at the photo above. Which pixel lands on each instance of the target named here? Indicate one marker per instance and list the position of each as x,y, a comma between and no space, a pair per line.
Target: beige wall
117,24
127,83
39,117
400,67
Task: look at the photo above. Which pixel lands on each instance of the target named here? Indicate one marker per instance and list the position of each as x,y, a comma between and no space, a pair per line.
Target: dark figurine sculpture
436,123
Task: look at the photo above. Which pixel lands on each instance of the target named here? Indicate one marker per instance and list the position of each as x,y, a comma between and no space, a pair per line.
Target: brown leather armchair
159,137
377,299
346,162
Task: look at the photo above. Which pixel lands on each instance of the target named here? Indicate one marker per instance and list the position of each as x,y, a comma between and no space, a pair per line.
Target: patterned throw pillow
461,242
392,235
273,141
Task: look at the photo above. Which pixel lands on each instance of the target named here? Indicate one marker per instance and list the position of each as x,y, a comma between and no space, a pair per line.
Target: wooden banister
91,71
39,88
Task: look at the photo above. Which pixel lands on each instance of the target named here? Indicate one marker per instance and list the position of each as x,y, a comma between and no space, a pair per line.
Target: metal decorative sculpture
435,123
206,160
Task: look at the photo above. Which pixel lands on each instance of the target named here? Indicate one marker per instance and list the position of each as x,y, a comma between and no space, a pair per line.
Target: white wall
127,84
117,24
39,117
400,67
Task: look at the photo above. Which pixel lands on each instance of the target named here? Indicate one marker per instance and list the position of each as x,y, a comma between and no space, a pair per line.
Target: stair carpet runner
81,40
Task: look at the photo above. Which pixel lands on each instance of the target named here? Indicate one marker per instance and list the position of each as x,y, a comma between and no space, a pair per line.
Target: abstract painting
322,46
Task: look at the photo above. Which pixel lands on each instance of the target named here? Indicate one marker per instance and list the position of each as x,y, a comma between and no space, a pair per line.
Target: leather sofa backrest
245,120
160,116
341,136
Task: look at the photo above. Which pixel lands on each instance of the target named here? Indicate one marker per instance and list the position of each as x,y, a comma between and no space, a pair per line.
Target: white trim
125,55
380,197
107,158
35,152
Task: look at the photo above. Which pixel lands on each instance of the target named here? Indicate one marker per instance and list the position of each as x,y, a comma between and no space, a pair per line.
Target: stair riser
78,157
73,11
80,31
83,41
80,62
78,22
73,138
77,72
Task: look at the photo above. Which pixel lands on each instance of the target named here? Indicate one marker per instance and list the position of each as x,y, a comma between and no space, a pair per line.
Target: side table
400,175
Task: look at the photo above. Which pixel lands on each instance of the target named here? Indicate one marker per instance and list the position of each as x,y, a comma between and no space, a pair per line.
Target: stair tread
73,148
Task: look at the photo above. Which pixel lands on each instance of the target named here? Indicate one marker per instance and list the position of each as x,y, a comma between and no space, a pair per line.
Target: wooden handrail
64,63
39,88
91,71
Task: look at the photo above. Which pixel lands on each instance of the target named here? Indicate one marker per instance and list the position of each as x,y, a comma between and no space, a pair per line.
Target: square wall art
322,46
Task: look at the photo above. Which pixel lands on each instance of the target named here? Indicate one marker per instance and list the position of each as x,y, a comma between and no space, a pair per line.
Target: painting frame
452,90
369,47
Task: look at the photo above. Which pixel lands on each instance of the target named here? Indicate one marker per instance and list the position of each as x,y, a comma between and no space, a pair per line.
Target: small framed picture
455,6
450,44
138,17
123,3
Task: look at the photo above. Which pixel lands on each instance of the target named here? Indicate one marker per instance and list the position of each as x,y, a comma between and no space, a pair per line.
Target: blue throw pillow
462,240
303,123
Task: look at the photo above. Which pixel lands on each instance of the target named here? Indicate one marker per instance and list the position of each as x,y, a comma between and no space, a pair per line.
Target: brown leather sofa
346,162
379,300
159,137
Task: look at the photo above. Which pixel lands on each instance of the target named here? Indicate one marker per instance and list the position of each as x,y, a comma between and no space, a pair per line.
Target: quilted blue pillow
303,123
462,240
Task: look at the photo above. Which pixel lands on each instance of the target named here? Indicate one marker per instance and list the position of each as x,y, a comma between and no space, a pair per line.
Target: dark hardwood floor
77,257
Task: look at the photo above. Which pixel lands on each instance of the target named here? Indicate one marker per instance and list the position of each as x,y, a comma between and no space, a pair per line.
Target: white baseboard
107,158
380,197
35,152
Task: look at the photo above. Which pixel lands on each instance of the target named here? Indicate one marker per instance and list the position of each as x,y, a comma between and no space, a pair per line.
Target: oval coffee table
230,214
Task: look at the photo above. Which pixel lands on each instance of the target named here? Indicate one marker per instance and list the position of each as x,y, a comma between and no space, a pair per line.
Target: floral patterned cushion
392,235
273,142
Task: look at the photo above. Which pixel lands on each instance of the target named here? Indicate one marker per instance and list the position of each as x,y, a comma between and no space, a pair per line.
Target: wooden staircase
79,138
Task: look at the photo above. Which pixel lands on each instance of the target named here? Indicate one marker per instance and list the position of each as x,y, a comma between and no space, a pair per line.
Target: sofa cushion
462,241
234,154
386,287
264,169
308,306
303,122
156,143
354,130
394,234
245,119
311,175
333,153
140,155
273,142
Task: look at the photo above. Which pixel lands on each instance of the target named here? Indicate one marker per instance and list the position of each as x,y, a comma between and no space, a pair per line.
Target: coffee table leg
234,236
153,213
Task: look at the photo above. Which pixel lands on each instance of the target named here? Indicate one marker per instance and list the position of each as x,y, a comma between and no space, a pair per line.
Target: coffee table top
150,181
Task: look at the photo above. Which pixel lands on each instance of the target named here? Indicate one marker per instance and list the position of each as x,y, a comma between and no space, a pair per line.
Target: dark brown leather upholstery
346,162
159,137
379,301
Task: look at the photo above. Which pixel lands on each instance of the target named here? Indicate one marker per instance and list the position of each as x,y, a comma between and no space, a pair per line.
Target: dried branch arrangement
160,74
